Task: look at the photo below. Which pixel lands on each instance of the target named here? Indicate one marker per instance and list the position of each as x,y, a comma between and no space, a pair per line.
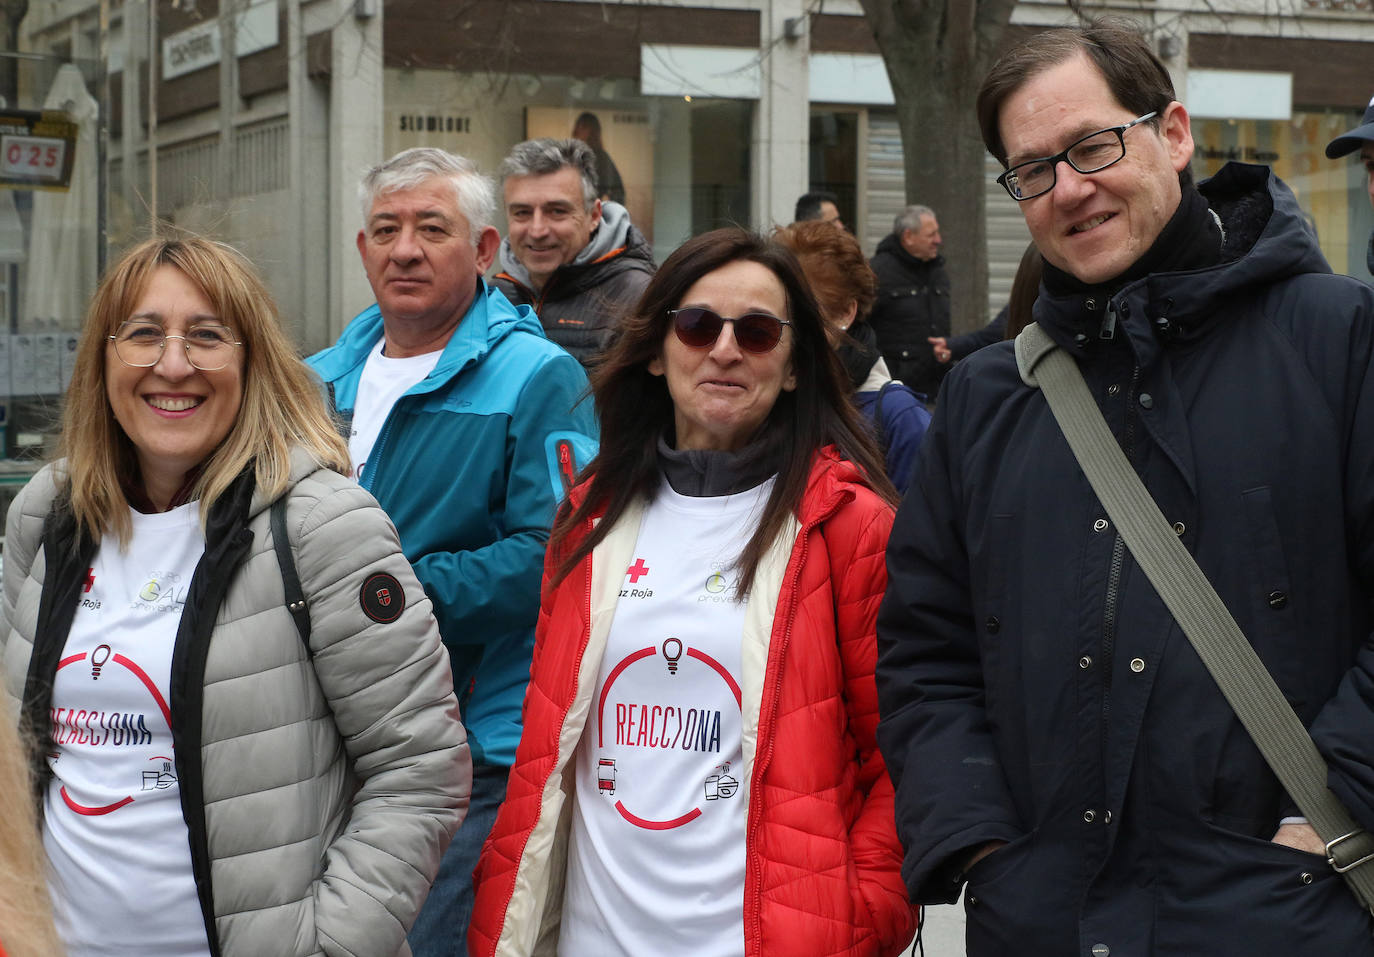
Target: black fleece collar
858,351
1191,239
701,473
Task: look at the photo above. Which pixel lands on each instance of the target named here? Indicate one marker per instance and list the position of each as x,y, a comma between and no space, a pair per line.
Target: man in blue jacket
1054,740
465,424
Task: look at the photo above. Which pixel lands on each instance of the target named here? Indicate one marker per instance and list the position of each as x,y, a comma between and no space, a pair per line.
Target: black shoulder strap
291,582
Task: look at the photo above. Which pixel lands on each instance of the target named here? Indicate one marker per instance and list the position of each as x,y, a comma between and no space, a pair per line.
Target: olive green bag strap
1196,607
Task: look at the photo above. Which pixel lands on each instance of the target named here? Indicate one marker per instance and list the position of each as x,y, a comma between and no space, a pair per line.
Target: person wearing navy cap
1360,138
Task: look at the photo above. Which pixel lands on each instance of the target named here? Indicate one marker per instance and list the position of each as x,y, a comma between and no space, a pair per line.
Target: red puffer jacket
822,872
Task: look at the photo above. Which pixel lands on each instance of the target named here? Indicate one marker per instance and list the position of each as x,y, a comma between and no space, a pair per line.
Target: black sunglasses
755,332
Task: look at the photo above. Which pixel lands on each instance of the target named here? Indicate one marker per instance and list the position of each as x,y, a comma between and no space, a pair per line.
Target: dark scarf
138,499
708,472
858,351
1190,240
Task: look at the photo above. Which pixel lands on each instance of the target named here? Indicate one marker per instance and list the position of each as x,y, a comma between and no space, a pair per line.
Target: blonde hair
26,924
282,404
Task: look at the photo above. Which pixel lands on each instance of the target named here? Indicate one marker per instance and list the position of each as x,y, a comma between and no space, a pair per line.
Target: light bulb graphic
98,659
672,655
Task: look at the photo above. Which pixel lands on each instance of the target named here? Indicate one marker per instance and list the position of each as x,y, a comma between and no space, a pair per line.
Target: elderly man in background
913,299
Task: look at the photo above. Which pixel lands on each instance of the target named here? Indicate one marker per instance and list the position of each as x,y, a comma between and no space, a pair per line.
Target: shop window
1330,192
834,159
50,216
681,164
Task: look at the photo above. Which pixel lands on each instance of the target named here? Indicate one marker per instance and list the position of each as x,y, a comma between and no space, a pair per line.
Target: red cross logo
90,578
637,571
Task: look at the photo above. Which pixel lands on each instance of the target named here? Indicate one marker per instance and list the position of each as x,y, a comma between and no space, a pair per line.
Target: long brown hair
1025,288
26,924
282,403
634,408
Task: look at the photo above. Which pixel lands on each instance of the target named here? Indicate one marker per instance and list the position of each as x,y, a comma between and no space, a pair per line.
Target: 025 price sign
32,157
36,149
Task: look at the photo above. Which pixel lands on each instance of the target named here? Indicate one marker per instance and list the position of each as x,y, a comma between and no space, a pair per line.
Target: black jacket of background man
913,304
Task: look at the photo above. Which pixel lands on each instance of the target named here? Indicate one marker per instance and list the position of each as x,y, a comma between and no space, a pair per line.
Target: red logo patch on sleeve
382,598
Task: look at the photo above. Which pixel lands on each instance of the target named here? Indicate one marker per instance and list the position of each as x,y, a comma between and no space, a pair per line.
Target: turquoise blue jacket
470,465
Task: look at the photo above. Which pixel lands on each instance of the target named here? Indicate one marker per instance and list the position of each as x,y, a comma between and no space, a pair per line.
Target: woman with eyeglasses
245,735
698,773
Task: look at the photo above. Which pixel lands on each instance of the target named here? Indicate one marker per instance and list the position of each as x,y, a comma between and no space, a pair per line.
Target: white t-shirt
384,380
656,854
121,860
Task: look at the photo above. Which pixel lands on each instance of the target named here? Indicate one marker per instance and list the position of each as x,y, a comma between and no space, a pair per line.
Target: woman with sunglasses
244,732
698,773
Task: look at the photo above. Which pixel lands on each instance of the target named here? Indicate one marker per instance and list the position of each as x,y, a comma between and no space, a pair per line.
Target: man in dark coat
1360,138
1053,738
575,259
913,299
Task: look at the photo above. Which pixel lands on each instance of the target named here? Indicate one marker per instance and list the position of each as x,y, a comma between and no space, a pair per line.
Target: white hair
473,192
910,218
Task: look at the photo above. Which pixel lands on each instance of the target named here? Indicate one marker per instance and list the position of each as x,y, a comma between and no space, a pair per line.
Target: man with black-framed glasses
1054,740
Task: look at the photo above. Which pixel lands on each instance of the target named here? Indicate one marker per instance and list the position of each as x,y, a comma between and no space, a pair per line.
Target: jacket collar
892,244
614,239
489,319
1267,241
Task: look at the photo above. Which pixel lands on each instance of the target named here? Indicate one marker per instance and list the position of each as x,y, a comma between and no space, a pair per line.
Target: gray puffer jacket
319,787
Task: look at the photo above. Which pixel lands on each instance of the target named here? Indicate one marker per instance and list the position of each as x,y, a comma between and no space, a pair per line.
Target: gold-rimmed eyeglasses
209,346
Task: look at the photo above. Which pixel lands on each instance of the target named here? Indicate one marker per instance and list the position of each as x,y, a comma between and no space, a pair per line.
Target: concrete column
782,121
134,30
672,128
355,143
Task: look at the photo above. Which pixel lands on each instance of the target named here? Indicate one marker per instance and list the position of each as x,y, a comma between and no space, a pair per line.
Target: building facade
253,119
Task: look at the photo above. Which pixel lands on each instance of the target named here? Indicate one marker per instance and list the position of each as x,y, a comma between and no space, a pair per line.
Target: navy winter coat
913,304
1034,689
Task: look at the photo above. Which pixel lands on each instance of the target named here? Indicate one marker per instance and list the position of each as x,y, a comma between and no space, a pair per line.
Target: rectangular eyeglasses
1091,154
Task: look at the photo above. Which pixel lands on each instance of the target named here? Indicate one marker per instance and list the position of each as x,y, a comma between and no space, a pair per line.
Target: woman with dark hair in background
1025,289
845,288
698,773
587,128
243,724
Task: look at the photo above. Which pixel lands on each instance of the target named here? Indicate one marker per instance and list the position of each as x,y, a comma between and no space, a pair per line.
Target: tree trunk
936,53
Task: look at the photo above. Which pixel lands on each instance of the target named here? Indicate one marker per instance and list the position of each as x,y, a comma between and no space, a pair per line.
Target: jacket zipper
755,920
760,763
1111,602
1108,330
374,457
